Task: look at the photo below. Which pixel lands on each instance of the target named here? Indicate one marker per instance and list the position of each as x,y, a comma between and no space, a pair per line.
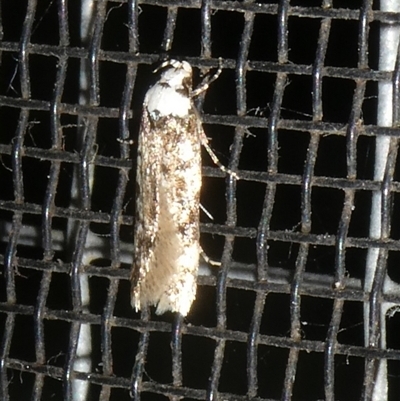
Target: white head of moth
170,96
167,232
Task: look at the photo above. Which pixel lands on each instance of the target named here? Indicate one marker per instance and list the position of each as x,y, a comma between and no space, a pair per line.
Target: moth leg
207,213
125,141
205,85
209,260
214,157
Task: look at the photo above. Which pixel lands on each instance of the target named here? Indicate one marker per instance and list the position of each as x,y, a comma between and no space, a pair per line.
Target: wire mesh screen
304,305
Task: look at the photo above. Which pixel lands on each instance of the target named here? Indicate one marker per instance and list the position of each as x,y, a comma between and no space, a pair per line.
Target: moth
167,232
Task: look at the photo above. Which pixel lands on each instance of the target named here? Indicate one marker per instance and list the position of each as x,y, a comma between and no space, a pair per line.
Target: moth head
176,74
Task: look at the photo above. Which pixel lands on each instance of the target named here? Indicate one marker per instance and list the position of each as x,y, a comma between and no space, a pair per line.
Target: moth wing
147,204
177,251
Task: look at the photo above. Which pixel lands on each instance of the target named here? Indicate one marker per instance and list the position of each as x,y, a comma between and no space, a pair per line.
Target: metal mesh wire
294,313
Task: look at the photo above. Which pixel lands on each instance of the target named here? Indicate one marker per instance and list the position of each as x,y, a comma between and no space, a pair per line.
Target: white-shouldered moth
166,242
